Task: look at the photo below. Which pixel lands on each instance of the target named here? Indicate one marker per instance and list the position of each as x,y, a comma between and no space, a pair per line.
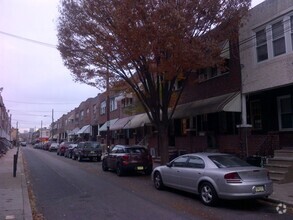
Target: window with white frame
178,84
103,108
261,45
285,112
113,104
291,21
94,109
279,46
81,115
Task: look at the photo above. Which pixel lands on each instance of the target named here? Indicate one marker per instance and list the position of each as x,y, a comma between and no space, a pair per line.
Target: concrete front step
281,165
280,161
277,167
283,153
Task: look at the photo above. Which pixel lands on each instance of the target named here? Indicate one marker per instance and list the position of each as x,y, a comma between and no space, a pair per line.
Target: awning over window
228,103
137,121
73,132
111,122
85,130
120,123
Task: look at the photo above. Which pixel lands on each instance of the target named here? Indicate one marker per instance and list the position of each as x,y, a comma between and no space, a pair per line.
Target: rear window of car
92,144
226,161
135,150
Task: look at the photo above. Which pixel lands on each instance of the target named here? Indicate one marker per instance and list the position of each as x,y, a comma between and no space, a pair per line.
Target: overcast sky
32,73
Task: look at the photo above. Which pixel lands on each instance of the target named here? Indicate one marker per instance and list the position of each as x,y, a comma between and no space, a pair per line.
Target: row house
235,109
5,123
266,52
77,124
205,119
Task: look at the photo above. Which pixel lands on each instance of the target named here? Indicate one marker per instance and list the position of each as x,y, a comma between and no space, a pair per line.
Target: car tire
158,182
104,166
119,170
208,194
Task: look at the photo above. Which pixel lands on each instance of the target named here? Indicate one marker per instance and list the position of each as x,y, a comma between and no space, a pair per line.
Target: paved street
67,189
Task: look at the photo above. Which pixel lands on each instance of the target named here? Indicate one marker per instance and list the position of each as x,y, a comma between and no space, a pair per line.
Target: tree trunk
163,145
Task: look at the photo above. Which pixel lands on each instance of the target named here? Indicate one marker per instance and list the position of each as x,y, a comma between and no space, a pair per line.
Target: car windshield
226,161
135,150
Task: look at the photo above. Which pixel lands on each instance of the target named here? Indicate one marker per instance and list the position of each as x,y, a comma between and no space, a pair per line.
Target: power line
28,39
40,103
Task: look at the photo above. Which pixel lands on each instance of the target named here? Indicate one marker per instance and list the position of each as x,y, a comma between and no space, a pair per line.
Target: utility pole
108,111
52,128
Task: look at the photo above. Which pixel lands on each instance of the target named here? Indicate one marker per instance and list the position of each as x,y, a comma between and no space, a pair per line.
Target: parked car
23,143
69,151
87,150
62,148
47,145
54,146
125,158
214,176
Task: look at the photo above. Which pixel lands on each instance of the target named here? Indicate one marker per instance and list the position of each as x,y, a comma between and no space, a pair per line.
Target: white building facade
266,54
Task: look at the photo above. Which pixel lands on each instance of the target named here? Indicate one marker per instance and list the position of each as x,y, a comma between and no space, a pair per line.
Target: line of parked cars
90,150
212,176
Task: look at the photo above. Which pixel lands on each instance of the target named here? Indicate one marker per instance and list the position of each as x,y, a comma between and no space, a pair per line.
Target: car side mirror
169,164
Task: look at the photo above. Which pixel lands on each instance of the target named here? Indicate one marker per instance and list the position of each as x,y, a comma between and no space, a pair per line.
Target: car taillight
233,178
125,159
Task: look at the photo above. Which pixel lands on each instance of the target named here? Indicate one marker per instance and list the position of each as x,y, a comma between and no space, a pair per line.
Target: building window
178,84
126,102
279,45
81,115
285,112
261,45
291,19
94,109
212,72
255,114
103,108
113,104
184,126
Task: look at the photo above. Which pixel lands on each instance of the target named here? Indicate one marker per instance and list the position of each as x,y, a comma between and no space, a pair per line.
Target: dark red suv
124,158
62,148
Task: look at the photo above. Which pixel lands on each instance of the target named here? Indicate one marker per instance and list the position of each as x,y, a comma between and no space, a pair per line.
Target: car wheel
158,182
104,165
208,194
119,170
79,158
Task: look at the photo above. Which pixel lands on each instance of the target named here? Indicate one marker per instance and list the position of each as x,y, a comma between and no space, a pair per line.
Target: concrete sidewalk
14,200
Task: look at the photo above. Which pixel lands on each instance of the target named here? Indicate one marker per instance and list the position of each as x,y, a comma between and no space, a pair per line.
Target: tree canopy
148,44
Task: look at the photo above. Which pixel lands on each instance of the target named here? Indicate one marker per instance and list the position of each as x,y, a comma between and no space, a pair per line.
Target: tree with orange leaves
148,44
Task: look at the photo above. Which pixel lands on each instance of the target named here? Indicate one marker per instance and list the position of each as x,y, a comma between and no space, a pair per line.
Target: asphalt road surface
68,189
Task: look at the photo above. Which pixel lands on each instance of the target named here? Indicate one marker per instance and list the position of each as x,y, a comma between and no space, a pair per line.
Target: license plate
139,168
259,189
92,152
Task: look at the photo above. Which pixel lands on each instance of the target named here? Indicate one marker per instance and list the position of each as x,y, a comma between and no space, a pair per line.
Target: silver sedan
214,176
